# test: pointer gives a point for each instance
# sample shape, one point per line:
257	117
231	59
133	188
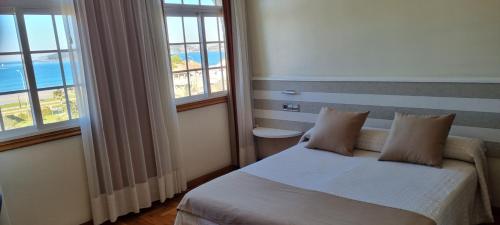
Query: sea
48	73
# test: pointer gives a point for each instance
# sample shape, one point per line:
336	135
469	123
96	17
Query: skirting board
210	176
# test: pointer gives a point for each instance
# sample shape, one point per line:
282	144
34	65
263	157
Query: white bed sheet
443	194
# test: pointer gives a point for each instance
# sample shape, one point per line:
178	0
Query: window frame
38	127
200	12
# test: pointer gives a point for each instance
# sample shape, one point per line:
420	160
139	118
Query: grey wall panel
475	118
464	118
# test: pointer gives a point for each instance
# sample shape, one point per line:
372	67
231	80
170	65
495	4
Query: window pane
40	32
68	70
213	53
174	28
173	1
61	33
194	56
221	28
12	73
72	103
53	106
191	2
178	57
15	110
223	54
47	70
211	30
216	83
8	35
191	29
207	2
196	82
224	78
181	87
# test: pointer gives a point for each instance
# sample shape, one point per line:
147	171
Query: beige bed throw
241	198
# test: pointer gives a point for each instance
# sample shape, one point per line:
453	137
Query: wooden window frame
39	138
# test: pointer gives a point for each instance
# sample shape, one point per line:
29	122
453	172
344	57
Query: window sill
201	103
39	138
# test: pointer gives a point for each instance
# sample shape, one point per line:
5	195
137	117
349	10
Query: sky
174	25
8	34
40	31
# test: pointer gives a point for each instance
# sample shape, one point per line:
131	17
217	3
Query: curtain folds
128	117
242	83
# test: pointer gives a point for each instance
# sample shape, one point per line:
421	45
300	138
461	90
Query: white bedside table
270	141
265	132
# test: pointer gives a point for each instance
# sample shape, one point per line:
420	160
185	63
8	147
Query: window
195	33
36	81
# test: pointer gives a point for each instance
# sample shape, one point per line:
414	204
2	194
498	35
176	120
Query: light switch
291	107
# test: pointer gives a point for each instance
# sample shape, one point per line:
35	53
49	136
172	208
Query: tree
58	94
176	60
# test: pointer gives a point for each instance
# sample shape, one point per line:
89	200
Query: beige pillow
417	139
336	131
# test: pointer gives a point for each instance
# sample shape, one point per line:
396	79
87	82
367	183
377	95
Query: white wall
46	184
205	140
434	38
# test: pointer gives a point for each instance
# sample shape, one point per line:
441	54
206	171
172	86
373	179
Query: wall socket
291	107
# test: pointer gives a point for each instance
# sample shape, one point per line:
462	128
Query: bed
304	186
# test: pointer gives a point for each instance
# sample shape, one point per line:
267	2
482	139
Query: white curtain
128	116
242	78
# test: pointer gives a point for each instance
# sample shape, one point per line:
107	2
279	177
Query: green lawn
18	114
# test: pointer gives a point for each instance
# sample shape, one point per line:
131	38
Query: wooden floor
164	214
